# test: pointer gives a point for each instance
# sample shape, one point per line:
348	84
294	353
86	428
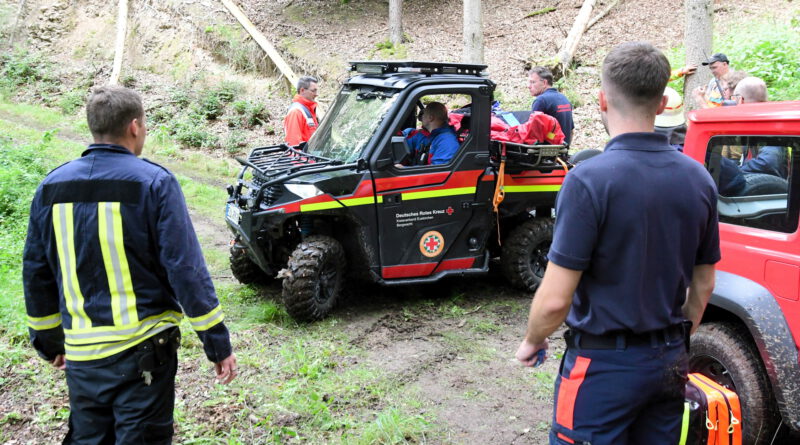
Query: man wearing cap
713	94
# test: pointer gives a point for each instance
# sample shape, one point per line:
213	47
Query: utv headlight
304	191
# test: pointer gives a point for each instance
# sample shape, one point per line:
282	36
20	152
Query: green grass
25	158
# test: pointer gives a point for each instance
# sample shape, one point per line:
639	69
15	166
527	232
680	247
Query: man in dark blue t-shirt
549	100
631	269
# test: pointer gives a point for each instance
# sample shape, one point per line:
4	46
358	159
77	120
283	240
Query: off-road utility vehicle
344	202
749	336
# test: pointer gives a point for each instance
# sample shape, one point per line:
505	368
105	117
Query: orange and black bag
712	414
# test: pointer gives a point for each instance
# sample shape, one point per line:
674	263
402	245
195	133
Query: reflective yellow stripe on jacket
105	341
65	244
43	323
208	321
123	300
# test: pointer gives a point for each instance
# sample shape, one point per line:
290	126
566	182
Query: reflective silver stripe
208	321
125	317
42	323
69	272
112	333
94	352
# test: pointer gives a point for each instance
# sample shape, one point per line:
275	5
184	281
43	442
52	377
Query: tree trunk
570	45
396	22
119	51
13	31
697	39
473	32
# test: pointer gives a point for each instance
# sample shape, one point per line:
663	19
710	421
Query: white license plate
232	212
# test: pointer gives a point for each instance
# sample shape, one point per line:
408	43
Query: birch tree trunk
570	44
122	32
698	40
396	22
473	32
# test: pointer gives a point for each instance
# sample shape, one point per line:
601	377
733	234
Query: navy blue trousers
110	403
620	396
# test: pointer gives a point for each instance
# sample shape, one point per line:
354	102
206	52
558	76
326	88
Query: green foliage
247	114
387	50
71	101
189	130
235	142
230	43
22	167
768	48
21	68
771	52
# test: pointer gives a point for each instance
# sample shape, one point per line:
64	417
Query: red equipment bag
540	128
712	414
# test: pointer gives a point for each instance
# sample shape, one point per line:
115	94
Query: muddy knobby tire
314	278
244	269
524	253
724	352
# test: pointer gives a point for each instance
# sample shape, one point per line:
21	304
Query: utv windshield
350	123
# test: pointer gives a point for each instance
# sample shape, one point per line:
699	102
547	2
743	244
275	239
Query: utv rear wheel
723	352
524	254
244	269
314	278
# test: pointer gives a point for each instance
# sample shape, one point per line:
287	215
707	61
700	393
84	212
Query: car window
753	176
443	145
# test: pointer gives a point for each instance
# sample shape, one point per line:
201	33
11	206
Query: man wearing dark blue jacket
549	100
111	265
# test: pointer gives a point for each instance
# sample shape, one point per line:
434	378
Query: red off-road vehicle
749	337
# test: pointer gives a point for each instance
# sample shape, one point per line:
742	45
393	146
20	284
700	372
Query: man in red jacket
301	120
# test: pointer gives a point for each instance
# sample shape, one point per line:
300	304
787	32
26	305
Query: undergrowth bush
768	48
22	167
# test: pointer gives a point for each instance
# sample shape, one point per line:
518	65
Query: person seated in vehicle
770	160
436	142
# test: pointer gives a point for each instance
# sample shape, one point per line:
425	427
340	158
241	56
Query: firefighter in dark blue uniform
111	266
550	101
635	228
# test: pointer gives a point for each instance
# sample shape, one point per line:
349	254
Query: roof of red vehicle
764	111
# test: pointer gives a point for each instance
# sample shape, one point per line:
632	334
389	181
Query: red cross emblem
450	211
431	244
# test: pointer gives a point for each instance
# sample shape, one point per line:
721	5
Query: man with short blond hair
631	269
111	265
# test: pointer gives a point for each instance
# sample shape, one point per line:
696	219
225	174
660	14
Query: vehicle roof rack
403	66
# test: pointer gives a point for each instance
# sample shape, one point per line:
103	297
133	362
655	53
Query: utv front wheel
244	269
723	352
524	254
314	278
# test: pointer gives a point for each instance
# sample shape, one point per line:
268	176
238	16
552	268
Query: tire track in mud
467	378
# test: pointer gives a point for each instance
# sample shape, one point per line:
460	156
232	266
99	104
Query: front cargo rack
269	162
